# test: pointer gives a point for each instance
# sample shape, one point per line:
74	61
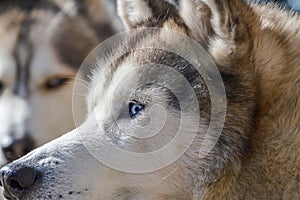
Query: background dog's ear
134	12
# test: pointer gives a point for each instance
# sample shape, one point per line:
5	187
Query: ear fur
221	23
137	13
213	23
134	12
218	16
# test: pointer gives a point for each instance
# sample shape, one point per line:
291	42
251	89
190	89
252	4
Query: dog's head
154	99
42	46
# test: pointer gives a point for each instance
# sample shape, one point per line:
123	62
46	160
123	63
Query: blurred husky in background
42	45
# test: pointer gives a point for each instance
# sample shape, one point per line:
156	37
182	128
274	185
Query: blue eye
135	108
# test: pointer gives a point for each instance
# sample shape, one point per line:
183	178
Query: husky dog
256	156
43	43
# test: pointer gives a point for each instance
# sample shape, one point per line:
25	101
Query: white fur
190	13
133	11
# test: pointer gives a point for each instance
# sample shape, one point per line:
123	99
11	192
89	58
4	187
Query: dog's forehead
108	84
143	72
142	57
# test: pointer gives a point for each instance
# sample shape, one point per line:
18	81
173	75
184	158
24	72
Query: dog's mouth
7	195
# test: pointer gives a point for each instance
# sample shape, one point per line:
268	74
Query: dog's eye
134	108
56	82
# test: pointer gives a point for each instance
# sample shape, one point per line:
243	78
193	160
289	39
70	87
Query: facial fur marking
23	54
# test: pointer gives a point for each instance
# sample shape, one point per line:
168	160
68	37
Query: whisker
80	79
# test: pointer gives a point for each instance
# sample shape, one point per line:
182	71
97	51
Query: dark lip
7	194
19	195
9	198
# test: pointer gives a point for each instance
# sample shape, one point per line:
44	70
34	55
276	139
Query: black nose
17	180
15	148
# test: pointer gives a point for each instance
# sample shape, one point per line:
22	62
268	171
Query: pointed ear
221	23
134	12
218	15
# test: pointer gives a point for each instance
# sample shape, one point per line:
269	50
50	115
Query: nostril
22	178
15	185
16	180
